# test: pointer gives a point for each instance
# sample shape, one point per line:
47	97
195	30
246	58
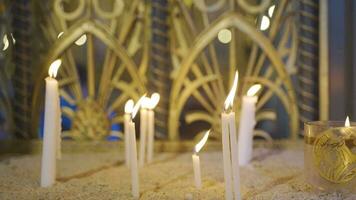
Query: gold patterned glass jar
330	155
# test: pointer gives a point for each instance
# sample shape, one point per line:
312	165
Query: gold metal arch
230	20
68	38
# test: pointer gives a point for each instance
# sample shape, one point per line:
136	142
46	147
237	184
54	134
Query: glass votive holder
330	155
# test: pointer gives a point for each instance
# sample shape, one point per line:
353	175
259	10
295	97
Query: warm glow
6	42
53	68
153	101
230	97
59	34
81	40
129	106
137	106
347	122
271	10
202	142
253	90
264	23
224	36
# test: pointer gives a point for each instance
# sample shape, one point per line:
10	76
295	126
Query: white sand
274	174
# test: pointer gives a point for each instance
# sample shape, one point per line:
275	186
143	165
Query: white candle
151	125
127	118
196	160
196	168
50	138
226	156
247	124
234	156
59	128
143	131
151	129
133	165
230	149
133	152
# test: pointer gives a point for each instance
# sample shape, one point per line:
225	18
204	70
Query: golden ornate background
106	49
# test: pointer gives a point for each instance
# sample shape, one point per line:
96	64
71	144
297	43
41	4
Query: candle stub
196	160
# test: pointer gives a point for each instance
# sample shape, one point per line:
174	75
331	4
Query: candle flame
137	106
60	34
155	97
265	22
271	10
253	90
347	122
53	68
6	42
129	106
202	142
81	40
145	102
13	39
230	97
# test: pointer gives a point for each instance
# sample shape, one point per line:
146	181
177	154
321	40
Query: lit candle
133	152
127	118
229	143
143	130
247	124
50	137
196	160
151	125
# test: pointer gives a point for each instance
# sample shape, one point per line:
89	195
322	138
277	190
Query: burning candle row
146	128
234	154
146	135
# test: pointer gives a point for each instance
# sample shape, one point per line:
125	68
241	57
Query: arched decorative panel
95	89
201	76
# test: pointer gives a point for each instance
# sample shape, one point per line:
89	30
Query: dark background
342	59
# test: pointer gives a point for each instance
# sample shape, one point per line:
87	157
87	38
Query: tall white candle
135	188
127	118
50	138
133	152
234	156
59	128
196	160
230	149
247	124
151	129
143	131
226	156
151	125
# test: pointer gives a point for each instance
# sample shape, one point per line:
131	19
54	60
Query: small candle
51	128
196	160
151	125
133	152
247	124
143	130
127	118
229	143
